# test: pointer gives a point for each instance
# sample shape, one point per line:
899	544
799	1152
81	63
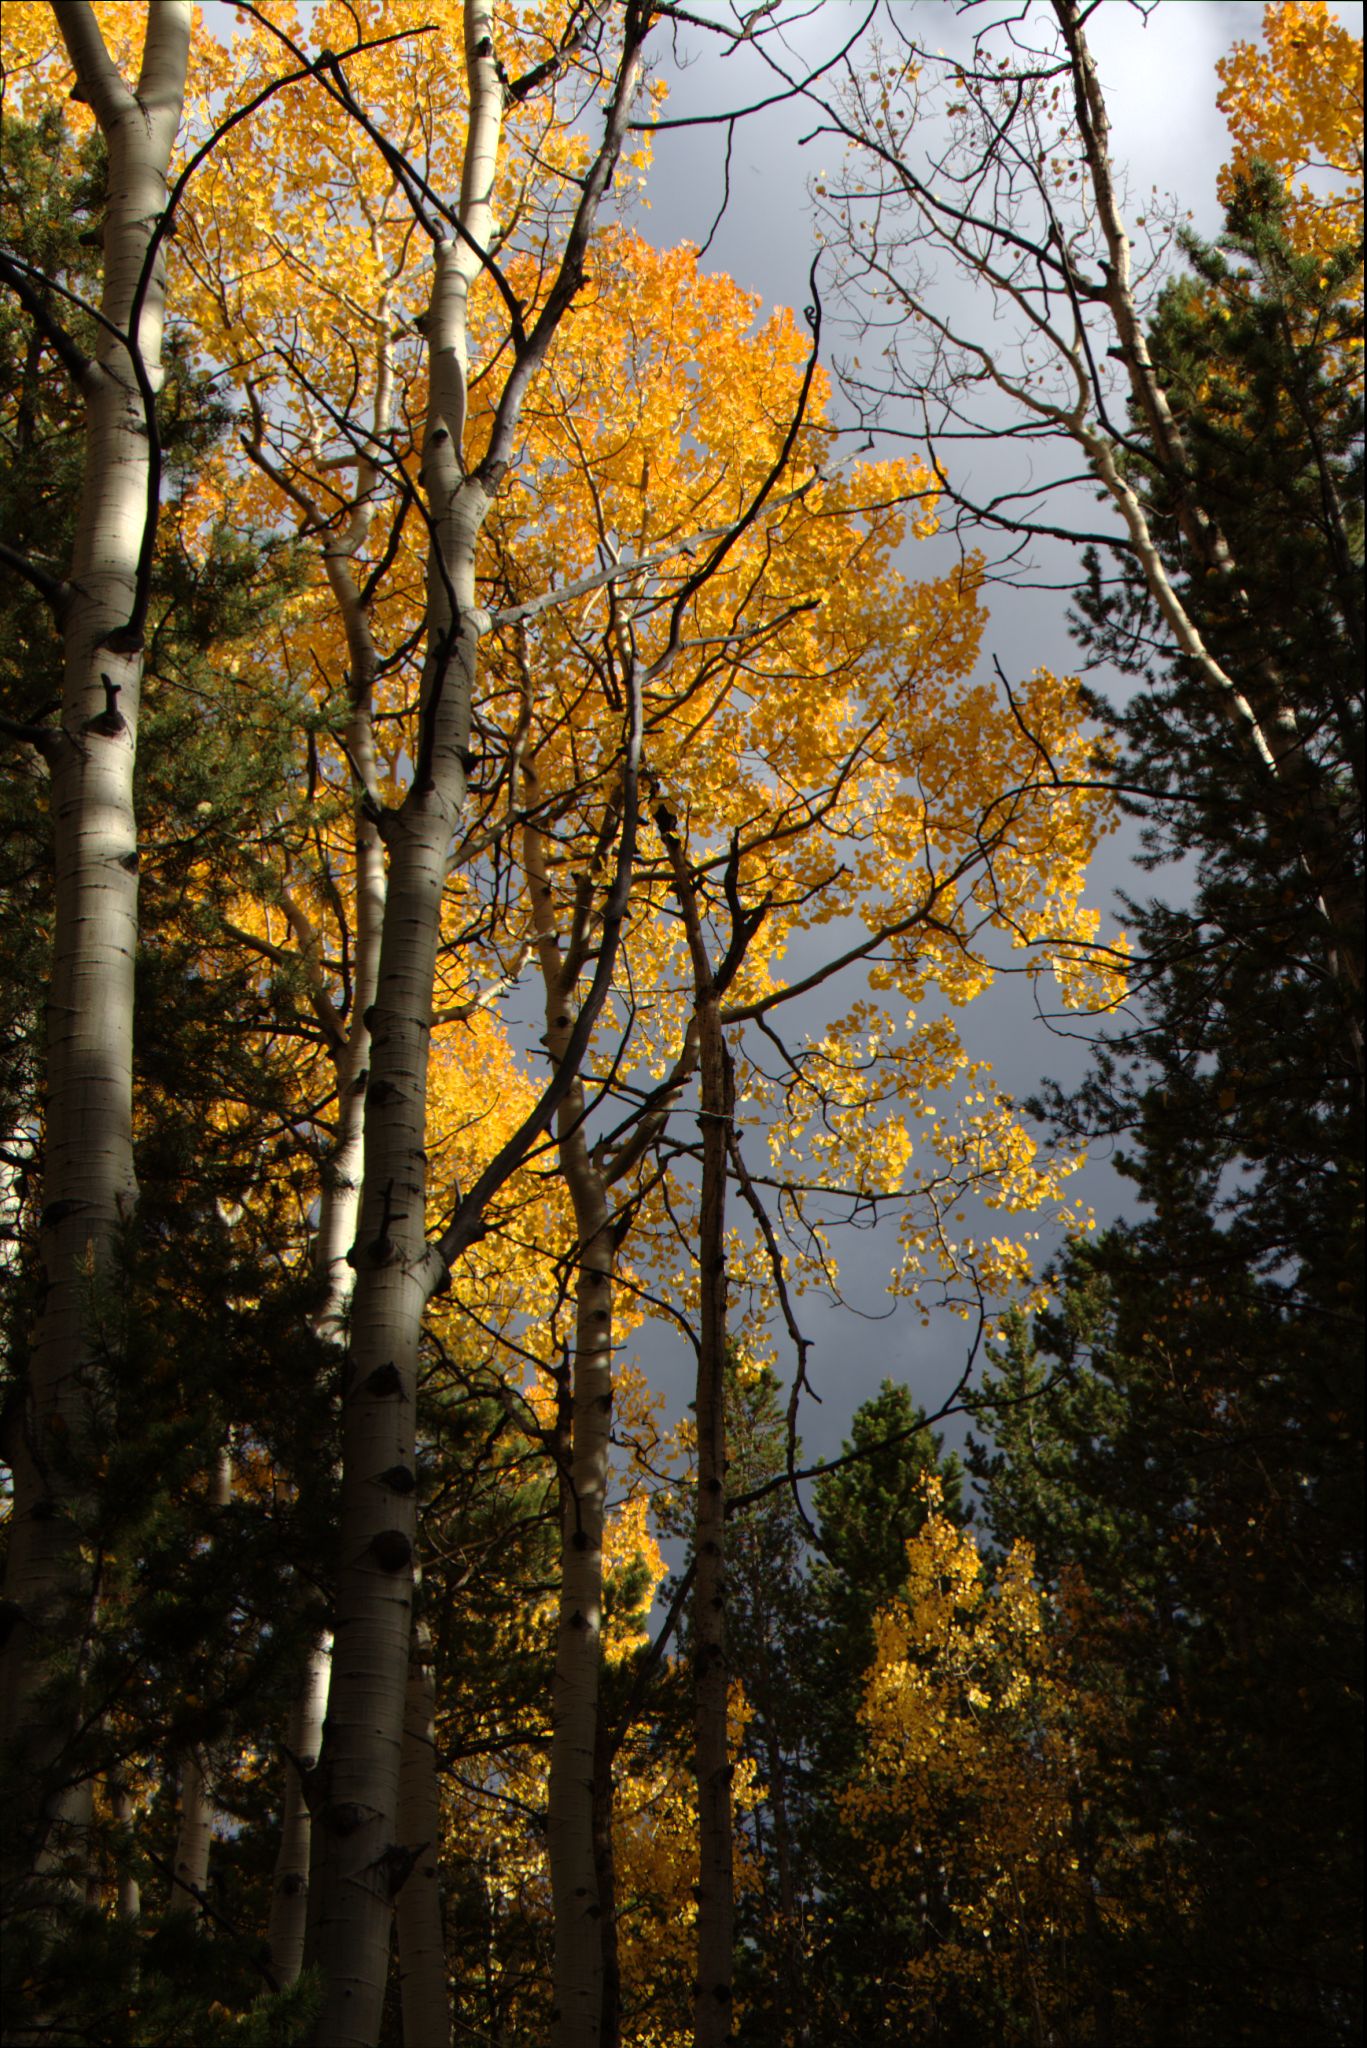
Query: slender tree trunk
89	1185
1259	705
574	1799
129	1896
290	1888
605	1867
790	1929
340	1192
578	1908
359	1860
423	1982
713	2008
195	1837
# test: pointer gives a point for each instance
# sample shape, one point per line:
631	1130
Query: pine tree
867	1510
1184	1430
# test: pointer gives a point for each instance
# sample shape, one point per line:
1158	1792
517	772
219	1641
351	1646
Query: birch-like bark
359	1857
290	1886
128	1898
89	1185
194	1838
358	1861
424	1988
340	1191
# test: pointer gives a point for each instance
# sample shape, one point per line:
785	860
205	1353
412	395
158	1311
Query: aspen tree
89	1188
357	1856
1055	258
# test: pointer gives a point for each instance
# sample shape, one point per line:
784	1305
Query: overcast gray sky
1158	69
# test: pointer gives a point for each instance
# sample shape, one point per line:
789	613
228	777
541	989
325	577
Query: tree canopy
507	806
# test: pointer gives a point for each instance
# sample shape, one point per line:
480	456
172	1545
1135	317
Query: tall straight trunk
194	1837
790	1927
358	1859
290	1885
358	1863
423	1985
574	1819
340	1192
713	2006
194	1840
89	1186
128	1898
570	1815
605	1867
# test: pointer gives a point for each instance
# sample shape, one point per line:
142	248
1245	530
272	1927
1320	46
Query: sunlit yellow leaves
1297	104
37	70
969	1790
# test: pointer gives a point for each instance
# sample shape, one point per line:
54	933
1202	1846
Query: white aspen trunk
358	1858
194	1839
340	1192
423	1983
357	1861
572	1847
129	1896
290	1886
339	1206
89	1184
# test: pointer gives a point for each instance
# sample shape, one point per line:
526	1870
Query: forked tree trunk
89	1185
358	1859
